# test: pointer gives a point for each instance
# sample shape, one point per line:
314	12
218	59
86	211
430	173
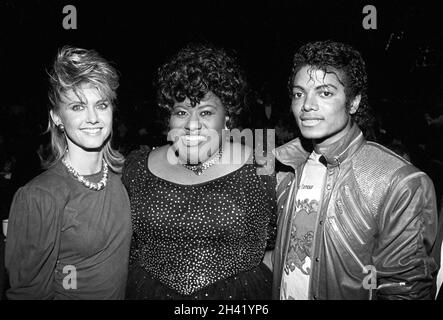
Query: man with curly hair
375	222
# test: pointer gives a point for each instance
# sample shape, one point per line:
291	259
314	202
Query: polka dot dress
189	237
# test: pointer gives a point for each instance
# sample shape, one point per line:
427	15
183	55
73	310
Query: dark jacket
437	252
377	220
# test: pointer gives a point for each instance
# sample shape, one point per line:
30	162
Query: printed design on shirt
285	295
302	237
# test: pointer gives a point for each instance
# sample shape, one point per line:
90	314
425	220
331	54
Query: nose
193	122
92	115
310	104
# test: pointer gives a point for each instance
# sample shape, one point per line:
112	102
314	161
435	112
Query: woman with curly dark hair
201	213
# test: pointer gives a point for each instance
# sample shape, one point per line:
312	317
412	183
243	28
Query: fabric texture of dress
57	227
201	241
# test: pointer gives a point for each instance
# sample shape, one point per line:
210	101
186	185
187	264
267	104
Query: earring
61	127
228	124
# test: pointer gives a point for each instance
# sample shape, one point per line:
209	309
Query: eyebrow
323	86
180	105
82	102
183	105
75	102
298	87
208	105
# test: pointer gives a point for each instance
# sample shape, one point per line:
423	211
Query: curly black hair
197	69
330	56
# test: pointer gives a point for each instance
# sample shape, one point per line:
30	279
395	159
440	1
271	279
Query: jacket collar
296	152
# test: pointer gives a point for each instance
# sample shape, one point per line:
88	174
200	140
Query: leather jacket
377	222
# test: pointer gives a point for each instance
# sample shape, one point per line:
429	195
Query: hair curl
72	68
330	57
198	69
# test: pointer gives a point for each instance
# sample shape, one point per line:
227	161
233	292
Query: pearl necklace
91	185
199	168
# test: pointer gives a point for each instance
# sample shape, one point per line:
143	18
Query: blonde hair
72	68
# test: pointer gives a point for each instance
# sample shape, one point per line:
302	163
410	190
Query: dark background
404	59
139	36
403	55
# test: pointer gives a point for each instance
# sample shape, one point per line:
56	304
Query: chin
312	134
93	146
202	150
188	157
186	154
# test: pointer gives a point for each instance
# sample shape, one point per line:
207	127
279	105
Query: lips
310	121
193	140
91	131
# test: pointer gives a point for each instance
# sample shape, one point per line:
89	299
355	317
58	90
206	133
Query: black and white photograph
239	152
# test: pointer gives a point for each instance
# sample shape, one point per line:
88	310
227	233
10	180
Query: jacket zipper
283	192
348	247
349	222
354	207
288	206
334	226
314	247
392	284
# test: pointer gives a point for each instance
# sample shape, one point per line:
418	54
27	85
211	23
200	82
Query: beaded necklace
199	168
91	185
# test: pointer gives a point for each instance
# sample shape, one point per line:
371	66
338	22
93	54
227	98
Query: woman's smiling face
197	131
87	118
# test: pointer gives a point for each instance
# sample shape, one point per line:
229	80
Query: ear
355	103
55	118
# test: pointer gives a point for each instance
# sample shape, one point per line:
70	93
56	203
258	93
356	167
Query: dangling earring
61	127
227	123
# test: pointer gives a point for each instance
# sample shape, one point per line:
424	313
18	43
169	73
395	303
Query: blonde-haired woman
70	228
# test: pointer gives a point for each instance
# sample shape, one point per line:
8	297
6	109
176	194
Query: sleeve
439	277
130	172
437	254
129	167
32	245
408	227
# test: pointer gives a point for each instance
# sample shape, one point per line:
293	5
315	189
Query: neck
193	159
217	154
85	162
324	146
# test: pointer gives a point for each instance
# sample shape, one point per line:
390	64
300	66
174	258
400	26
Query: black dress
201	241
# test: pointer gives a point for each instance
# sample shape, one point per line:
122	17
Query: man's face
319	106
